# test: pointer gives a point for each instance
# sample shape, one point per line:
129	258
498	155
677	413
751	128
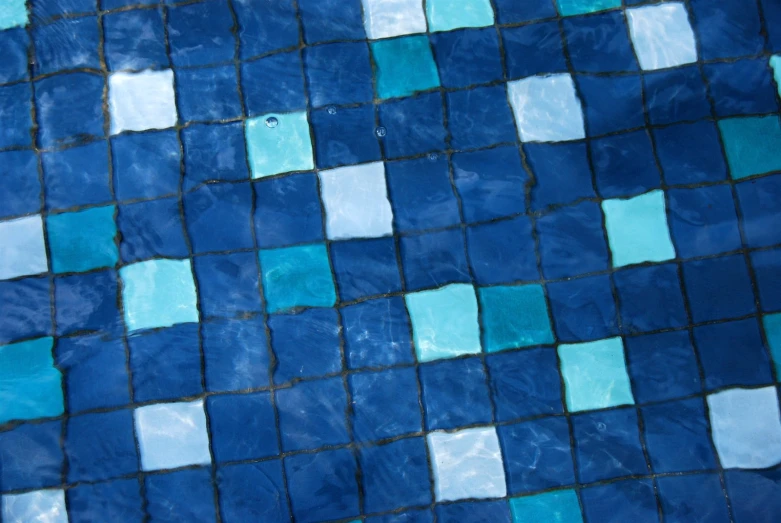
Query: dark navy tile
185	495
767	272
118	500
68	43
227	284
772	14
662	366
87	302
491	183
583	309
146	165
201	164
611	104
20	192
725	366
474	512
690	153
572	241
41	9
253	492
408	516
273	84
26	309
305	344
533	49
151	228
16	108
94	372
742	87
17	445
414	125
561	173
624	165
323	486
228	203
166	364
395	475
703	221
263	30
236	354
676	436
455	394
376	333
135	39
208	94
631	500
467	57
727	30
524	383
100	446
69	108
13	45
760	205
115	4
537	455
365	267
718	288
189	26
650	298
73	177
599	43
434	259
339	73
326	20
480	117
385	404
693	499
675	95
502	252
345	138
512	11
754	495
311	414
287	211
242	426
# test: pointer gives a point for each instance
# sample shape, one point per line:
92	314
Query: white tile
662	35
141	101
467	464
172	435
547	109
356	201
22	250
40	506
386	18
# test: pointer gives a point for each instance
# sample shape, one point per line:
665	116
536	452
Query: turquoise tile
595	374
775	64
446	15
772	323
279	143
580	7
84	240
637	229
13	13
297	277
444	322
752	144
30	385
514	316
560	506
158	293
404	66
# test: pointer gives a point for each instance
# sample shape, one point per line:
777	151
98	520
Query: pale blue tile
41	506
172	435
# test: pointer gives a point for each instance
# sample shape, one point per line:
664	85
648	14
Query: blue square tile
479	117
742	87
306	344
421	194
308	414
607	445
434	259
115	4
760	205
395	475
189	26
723	365
537	455
27	311
533	49
208	94
16	107
146	165
676	436
166	364
42	9
339	73
376	333
408	516
561	173
150	229
502	252
583	309
474	512
491	183
630	500
718	288
525	383
662	366
767	272
100	446
118	500
202	165
698	497
326	20
384	404
624	165
135	40
754	495
345	138
287	210
771	12
727	30
675	95
703	221
14	43
20	192
365	268
219	203
69	108
253	492
228	284
68	43
572	241
185	495
268	29
611	103
236	354
17	445
323	486
511	11
650	298
599	43
690	153
242	426
75	176
285	93
467	57
87	302
455	394
407	139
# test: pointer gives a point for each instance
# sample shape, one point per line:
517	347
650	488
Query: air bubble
271	122
433	157
331	109
380	131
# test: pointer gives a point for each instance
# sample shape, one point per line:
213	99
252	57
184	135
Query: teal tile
444	322
404	66
13	13
772	323
158	293
82	241
580	7
297	277
30	384
279	143
560	506
752	144
775	64
446	15
637	229
515	316
595	375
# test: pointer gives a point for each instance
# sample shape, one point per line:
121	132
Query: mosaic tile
758	202
14	14
599	43
662	36
23	249
134	39
403	65
686	496
514	317
287	94
29	382
115	500
21	190
297	277
41	440
395	475
558	506
187	494
547	108
376	333
172	435
772	325
455	394
253	491
385	18
535	48
141	101
45	505
385	404
676	95
621	501
312	479
277	148
524	383
83	240
751	145
60	98
466	58
446	15
66	44
77	176
100	446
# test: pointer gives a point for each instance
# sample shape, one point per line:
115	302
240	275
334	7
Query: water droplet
601	427
380	131
271	122
331	109
433	157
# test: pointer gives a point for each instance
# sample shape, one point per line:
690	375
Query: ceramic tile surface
385	261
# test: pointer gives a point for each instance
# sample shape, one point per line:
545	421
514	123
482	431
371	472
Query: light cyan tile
637	229
172	435
746	428
775	64
30	384
467	464
83	240
752	144
40	506
444	322
141	101
662	35
356	202
386	18
404	66
22	249
547	108
581	7
560	506
158	293
514	316
446	15
297	277
772	324
279	143
595	374
13	13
